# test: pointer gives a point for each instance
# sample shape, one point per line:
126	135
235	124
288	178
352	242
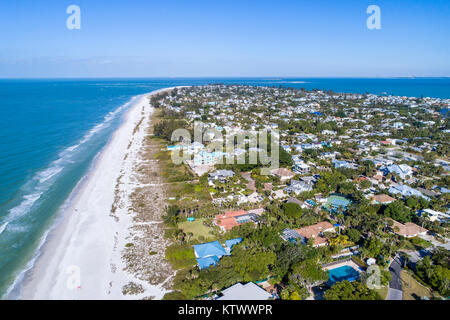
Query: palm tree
340	218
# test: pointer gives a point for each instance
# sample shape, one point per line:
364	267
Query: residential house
221	175
316	232
408	230
231	219
402	170
298	187
428	193
283	173
279	194
344	164
208	254
433	215
406	191
249	291
382	199
301	168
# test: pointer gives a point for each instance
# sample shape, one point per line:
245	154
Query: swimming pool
343	273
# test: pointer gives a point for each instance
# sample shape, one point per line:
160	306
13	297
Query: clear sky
228	38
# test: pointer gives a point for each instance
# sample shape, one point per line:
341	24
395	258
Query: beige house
283	173
316	232
382	199
408	230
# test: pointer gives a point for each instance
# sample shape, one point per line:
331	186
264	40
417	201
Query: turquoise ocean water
51	131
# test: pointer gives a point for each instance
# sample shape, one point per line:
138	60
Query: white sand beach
82	257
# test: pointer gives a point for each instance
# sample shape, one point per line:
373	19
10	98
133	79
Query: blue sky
226	38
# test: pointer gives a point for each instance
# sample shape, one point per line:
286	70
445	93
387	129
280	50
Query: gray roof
249	291
222	173
290	234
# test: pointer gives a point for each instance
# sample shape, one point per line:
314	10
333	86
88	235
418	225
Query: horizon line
229	77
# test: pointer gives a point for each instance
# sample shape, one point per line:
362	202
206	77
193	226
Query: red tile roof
408	229
228	220
314	230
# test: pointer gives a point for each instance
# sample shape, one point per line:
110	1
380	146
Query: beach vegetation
132	288
180	256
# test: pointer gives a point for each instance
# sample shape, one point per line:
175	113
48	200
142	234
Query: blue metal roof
209	249
204	263
232	242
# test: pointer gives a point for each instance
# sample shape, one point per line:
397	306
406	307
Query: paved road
394	294
395	285
415	256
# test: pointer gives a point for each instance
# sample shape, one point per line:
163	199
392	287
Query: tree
398	211
329	181
291	210
353	234
251	264
412	203
346	290
285	158
308	274
288	256
171	215
435	274
294	292
373	247
365	184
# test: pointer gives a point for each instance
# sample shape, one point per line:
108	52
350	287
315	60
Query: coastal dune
82	257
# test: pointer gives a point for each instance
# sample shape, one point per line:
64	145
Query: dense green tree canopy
398	211
346	290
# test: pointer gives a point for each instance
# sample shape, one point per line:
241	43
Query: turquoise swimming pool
343	273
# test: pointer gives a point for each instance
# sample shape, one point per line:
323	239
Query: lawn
413	290
420	243
197	228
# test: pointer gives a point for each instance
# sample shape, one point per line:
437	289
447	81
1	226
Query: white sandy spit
82	258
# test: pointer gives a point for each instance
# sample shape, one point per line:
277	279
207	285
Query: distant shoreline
410	86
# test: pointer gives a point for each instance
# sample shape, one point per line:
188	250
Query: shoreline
81	257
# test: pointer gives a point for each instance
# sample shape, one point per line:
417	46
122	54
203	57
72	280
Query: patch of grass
420	243
199	188
407	245
359	262
173	172
182	190
196	227
189	190
383	292
129	244
413	290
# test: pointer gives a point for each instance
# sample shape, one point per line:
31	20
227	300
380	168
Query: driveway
415	256
395	285
436	243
